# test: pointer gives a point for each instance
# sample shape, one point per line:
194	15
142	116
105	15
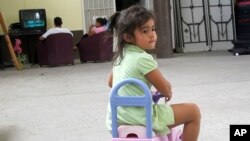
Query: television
33	20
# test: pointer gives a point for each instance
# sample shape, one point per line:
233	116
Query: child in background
136	32
100	26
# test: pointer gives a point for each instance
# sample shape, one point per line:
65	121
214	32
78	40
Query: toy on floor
137	132
22	58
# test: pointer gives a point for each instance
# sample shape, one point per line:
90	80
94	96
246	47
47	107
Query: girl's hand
160	83
157	96
168	98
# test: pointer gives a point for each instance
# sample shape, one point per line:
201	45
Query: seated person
58	29
100	26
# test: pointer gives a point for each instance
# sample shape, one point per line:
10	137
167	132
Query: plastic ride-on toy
136	132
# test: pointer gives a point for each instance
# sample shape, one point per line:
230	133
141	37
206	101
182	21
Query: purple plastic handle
156	96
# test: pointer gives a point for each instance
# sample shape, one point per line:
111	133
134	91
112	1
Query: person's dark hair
127	21
112	22
58	21
102	21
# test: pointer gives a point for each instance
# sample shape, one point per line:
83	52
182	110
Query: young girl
135	30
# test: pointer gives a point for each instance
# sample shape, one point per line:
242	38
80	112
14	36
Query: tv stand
18	32
30	40
32	32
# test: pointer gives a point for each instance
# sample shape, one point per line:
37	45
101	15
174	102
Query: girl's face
145	37
97	24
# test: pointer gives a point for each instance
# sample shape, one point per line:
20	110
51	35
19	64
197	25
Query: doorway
123	4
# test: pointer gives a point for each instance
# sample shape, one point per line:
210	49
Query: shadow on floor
7	134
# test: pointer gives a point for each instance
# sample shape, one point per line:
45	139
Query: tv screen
33	19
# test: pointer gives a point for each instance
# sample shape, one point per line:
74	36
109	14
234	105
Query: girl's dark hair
127	21
102	21
112	22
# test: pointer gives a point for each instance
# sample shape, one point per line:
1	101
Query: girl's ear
127	38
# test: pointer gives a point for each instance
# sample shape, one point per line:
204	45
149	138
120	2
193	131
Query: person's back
57	29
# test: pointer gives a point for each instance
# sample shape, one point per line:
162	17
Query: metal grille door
221	20
193	21
203	24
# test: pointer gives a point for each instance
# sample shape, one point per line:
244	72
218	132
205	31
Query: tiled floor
69	103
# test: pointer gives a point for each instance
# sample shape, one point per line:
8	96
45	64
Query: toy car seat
133	132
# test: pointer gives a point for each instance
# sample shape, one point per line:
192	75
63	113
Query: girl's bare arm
160	83
110	78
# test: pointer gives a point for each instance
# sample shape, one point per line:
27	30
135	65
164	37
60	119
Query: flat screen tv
33	19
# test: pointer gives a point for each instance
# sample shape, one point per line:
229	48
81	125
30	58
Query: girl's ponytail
113	22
